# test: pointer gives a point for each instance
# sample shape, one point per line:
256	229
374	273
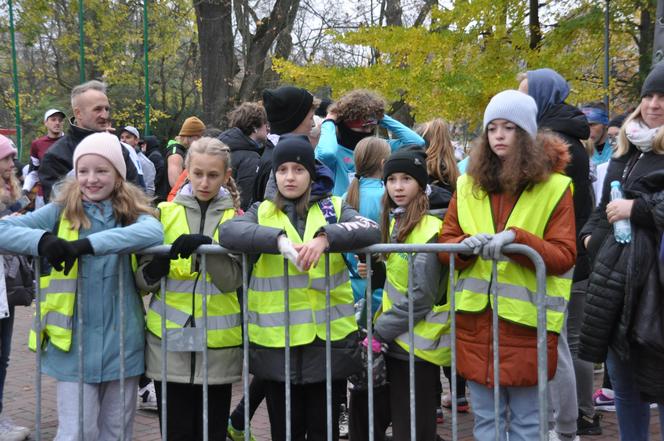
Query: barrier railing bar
203	276
38	342
411	352
164	363
245	345
287	360
370	385
79	332
328	350
451	293
121	311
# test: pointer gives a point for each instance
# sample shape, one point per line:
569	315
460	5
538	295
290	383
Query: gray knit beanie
513	106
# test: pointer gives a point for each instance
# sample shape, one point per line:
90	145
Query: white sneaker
11	432
553	436
147	398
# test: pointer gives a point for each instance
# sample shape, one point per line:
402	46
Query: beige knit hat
105	145
192	126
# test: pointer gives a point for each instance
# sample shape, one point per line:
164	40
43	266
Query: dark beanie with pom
409	160
286	108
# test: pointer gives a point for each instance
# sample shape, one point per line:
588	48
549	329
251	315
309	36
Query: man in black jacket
246	136
91	114
549	90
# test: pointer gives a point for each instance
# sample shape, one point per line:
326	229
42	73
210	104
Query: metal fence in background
409	249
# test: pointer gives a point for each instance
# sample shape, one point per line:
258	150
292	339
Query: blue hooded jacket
548	88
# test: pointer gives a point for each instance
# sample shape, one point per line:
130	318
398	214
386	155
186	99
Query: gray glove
492	250
476	242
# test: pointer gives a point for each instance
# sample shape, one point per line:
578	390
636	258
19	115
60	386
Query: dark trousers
460	382
426	399
308	410
358	424
185	410
256	395
6	331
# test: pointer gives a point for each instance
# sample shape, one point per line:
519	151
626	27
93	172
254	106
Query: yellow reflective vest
184	290
432	333
306	307
57	299
517	284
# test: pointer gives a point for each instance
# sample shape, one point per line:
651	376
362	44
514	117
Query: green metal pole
19	134
81	41
146	67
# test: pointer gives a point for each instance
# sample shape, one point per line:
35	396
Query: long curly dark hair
532	162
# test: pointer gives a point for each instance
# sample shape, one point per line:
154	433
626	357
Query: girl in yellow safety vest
190	220
513	192
86	235
301	220
404	220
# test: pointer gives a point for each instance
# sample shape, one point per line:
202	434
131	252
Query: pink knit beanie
105	145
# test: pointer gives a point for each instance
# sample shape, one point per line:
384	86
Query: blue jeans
523	409
633	414
6	329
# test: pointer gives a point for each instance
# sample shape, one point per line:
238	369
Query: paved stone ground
20	399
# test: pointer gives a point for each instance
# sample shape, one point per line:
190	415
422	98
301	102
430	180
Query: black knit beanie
286	108
409	160
294	148
654	82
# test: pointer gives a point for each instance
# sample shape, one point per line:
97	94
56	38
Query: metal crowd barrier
203	251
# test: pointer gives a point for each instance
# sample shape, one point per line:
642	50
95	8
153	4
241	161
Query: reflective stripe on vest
431	334
267	316
517	284
185	290
57	301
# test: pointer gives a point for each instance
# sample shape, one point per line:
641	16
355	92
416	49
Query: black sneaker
586	425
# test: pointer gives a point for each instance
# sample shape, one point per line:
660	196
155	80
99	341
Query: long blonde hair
441	163
128	202
214	146
369	156
622	146
14	193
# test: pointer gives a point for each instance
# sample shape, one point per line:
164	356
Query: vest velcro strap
58	286
266	284
182	286
54	318
336	280
172	315
426	344
301	317
336	312
507	291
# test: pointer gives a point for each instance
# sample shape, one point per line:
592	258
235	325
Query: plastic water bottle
622	230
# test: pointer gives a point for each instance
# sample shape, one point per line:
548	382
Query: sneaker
555	436
11	432
462	403
439	415
604	399
343	422
586	425
236	435
147	398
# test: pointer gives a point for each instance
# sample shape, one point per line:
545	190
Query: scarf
639	134
349	138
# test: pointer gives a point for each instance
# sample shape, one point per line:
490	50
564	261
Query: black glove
186	244
81	246
158	267
57	251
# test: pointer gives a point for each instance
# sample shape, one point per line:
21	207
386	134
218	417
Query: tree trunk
393	13
218	62
534	25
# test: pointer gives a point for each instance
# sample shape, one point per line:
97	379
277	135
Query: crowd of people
299	184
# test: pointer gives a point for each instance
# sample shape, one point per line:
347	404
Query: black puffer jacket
571	125
58	159
624	309
245	159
